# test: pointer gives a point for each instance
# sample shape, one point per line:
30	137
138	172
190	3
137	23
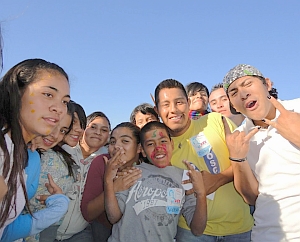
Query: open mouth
251	104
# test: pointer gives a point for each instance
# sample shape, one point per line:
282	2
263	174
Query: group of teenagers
198	165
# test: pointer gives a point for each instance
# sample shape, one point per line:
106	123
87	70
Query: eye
104	130
149	144
125	141
112	142
47	94
65	102
64	131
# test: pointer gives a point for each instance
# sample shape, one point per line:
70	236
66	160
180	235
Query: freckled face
142	119
96	133
44	104
75	134
122	138
57	135
158	147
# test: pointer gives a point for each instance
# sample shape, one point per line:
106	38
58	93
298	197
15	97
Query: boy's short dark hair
150	126
144	108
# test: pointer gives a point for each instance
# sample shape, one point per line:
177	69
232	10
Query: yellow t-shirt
204	145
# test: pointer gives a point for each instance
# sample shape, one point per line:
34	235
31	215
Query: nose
55	133
244	95
173	107
220	105
59	107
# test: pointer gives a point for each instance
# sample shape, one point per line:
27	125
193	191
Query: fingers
226	126
189	192
277	104
42	198
50	179
251	133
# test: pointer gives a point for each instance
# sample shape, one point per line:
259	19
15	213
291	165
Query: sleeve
122	199
19	228
188	208
32	171
94	185
56	207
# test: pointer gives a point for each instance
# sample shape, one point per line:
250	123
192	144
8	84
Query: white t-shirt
275	163
20	201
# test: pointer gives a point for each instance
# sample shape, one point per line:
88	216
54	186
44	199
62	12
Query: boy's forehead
157	132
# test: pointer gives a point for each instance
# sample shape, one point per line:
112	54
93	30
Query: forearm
225	177
199	220
95	207
112	208
245	182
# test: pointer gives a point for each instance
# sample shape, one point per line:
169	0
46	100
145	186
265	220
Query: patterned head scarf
240	71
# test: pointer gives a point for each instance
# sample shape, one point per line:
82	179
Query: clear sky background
117	51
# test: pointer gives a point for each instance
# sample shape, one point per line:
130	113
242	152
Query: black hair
81	114
168	83
273	92
194	87
144	108
150	126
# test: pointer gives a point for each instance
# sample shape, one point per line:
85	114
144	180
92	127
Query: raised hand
127	179
238	141
113	164
195	179
287	123
52	188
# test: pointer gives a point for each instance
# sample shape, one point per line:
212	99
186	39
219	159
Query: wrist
238	159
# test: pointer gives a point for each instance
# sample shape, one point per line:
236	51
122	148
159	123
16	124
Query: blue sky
117	51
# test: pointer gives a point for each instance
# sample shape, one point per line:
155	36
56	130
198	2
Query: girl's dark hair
95	115
81	114
12	87
67	158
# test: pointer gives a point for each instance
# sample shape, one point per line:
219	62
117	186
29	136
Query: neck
175	133
86	150
237	119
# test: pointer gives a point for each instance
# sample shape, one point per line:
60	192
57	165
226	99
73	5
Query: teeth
159	156
176	118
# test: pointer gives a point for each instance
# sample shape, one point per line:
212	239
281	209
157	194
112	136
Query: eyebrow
55	89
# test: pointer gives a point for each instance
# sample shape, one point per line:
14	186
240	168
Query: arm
238	145
199	218
213	181
3	188
112	208
245	182
92	204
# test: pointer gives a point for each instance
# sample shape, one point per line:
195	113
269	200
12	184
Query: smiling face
248	95
44	104
173	108
158	147
219	102
123	138
198	101
96	134
75	134
57	135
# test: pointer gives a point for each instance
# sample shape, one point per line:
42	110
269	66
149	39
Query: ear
139	149
156	110
269	83
189	101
